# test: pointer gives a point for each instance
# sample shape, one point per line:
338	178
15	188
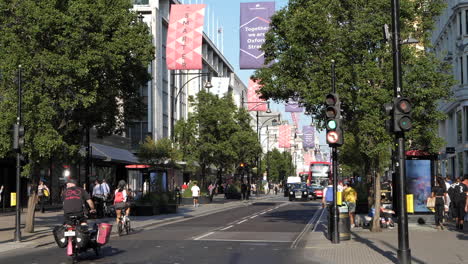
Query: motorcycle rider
74	198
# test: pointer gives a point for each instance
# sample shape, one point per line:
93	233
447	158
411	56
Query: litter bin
344	223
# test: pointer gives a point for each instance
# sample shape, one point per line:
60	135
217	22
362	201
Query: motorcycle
78	238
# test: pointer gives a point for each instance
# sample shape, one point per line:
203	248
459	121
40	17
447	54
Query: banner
307	160
293	106
308	134
254	103
284	140
254	23
295	118
220	86
184	37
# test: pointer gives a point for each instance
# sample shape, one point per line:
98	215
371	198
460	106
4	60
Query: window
465	110
459	127
466	22
459	23
462	79
460	164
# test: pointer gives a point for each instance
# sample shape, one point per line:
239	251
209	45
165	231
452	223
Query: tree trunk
32	201
375	226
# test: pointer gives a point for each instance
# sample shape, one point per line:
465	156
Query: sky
225	14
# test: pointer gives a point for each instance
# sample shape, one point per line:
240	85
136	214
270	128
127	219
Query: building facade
450	42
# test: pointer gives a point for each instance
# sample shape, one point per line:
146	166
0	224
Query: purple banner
254	23
293	106
308	136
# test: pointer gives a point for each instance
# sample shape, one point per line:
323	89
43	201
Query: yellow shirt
350	195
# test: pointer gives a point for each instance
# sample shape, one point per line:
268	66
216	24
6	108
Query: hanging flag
184	37
293	106
254	23
307	159
308	134
284	140
220	86
254	103
295	117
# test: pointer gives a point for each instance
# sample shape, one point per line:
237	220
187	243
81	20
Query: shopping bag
430	202
46	192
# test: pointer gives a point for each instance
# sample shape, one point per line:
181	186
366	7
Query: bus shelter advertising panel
418	183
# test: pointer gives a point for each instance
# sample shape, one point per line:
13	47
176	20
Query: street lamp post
207	85
17	234
404	252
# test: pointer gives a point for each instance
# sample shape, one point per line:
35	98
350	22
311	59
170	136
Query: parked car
298	191
315	192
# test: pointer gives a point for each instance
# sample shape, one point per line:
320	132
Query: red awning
137	166
417	153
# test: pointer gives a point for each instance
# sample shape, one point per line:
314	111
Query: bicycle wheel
120	228
127	226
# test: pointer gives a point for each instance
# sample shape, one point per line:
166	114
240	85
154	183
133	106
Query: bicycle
124	223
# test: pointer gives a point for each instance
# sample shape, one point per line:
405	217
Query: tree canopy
83	63
306	36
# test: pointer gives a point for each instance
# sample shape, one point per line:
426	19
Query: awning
112	154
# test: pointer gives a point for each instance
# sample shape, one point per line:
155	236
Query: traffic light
333	122
18	137
402	114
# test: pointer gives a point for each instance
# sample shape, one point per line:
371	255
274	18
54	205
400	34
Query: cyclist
120	200
74	199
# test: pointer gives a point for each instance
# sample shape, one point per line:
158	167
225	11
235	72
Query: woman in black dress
440	193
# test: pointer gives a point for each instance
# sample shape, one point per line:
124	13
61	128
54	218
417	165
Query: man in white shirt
195	194
105	189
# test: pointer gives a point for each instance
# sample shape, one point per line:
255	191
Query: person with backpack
459	193
464	201
120	200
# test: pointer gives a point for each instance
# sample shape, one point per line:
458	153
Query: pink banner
284	140
254	103
184	38
307	159
295	118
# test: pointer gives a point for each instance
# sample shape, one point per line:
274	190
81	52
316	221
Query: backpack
329	194
119	198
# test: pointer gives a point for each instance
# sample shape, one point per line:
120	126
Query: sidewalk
44	223
427	245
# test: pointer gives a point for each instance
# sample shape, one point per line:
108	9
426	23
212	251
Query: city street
266	231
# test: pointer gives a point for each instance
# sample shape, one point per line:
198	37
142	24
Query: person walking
105	189
211	190
98	198
244	190
43	194
350	197
463	200
440	193
195	194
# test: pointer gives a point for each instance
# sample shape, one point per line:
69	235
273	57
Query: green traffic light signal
331	124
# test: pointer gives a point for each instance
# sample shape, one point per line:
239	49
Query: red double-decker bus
319	172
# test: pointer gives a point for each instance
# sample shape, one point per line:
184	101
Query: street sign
450	150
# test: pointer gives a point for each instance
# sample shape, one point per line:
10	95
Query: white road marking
255	241
242	221
205	235
253	216
227	227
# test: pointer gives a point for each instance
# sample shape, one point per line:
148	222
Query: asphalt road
265	232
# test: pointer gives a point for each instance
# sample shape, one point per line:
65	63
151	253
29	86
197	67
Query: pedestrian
276	189
195	194
184	187
98	198
350	197
43	194
211	189
267	190
244	190
463	202
105	189
440	193
1	193
327	197
453	212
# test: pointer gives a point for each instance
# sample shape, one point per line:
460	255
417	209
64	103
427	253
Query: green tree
160	153
216	134
307	35
280	165
82	65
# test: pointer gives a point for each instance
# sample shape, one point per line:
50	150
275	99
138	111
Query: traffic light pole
404	252
17	235
336	232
